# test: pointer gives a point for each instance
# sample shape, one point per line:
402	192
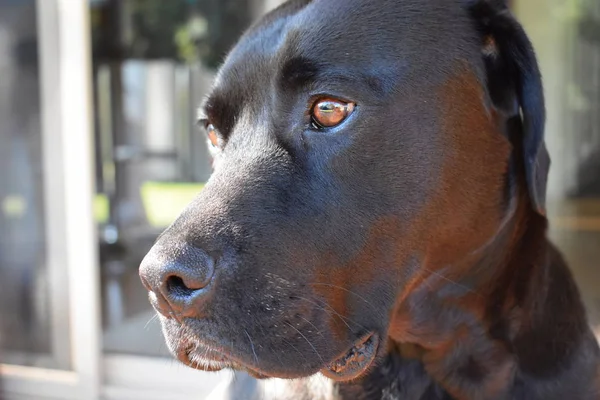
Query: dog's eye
213	137
327	113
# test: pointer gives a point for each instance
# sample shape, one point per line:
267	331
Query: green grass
163	202
100	208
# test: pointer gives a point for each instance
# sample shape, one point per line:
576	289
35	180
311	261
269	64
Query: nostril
181	281
180	276
176	286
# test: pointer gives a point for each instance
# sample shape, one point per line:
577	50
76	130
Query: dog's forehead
352	34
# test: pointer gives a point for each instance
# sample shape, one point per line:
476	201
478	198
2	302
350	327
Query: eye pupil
328	113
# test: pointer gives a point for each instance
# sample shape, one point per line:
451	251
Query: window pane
25	307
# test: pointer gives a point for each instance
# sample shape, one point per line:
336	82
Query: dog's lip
348	366
355	361
212	361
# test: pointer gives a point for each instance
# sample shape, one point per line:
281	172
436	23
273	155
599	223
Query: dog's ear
515	87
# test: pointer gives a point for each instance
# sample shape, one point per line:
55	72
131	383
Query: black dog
376	213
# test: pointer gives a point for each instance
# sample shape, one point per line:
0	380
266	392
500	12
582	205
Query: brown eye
211	132
327	113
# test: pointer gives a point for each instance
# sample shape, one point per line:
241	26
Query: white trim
53	180
81	242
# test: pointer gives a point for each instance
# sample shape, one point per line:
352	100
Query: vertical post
76	133
52	152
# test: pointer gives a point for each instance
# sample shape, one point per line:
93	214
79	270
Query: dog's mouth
210	361
355	361
213	361
349	366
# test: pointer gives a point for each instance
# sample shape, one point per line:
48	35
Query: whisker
332	311
307	341
152	319
377	310
271	345
294	347
252	346
442	276
311	324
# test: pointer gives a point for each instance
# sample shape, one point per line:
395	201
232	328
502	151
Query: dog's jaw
355	362
351	365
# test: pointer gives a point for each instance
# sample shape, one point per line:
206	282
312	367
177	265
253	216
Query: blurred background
99	153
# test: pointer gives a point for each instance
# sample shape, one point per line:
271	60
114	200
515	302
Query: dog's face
358	145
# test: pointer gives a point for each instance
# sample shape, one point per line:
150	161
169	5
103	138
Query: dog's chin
351	365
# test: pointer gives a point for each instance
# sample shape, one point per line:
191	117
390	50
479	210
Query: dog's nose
179	278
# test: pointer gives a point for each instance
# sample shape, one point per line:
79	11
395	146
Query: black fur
513	74
419	220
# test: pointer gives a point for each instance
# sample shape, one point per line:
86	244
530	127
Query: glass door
27	321
48	324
